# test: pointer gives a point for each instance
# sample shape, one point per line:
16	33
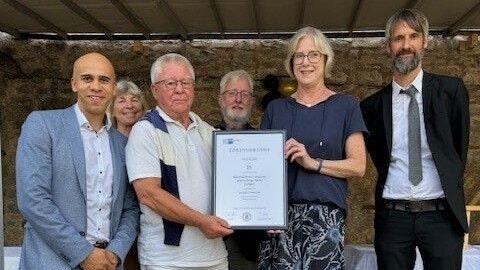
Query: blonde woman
325	147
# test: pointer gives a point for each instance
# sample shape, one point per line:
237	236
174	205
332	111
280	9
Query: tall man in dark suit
419	128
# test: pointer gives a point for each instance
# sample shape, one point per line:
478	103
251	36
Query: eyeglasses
312	56
172	84
232	93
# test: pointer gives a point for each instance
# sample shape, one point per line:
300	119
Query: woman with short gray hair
127	107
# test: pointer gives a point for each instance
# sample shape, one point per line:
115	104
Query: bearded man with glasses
236	101
168	157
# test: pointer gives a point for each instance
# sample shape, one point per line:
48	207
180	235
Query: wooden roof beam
301	15
163	6
454	27
82	13
134	20
353	20
218	19
256	18
35	16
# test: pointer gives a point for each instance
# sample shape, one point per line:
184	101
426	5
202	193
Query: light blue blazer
51	193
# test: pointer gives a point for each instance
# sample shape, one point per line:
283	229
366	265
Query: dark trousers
435	233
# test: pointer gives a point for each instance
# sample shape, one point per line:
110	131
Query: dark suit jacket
447	120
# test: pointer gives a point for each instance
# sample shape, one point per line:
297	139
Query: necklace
325	94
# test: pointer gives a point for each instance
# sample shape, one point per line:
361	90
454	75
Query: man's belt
415	206
101	244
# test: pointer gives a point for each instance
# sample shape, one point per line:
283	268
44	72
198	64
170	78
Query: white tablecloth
362	257
357	257
12	257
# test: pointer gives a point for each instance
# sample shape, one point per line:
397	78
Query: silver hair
412	17
125	87
234	76
320	41
158	65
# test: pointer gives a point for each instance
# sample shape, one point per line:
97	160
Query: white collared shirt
397	185
99	178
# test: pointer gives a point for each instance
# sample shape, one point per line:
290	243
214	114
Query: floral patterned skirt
313	241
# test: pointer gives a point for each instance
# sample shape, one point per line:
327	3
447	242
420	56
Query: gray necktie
414	146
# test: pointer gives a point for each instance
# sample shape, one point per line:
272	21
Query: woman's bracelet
320	162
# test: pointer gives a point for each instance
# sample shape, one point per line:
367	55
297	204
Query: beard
405	64
234	117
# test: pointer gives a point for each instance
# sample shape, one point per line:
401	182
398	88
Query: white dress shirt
99	178
397	185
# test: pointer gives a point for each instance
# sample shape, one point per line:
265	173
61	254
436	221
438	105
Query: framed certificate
249	179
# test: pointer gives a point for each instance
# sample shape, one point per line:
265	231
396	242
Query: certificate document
249	179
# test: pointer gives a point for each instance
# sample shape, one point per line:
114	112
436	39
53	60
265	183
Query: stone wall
35	75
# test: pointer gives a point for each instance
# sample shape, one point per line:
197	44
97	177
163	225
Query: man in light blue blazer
72	185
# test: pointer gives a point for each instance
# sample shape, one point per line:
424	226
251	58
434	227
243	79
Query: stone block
472	76
36	75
